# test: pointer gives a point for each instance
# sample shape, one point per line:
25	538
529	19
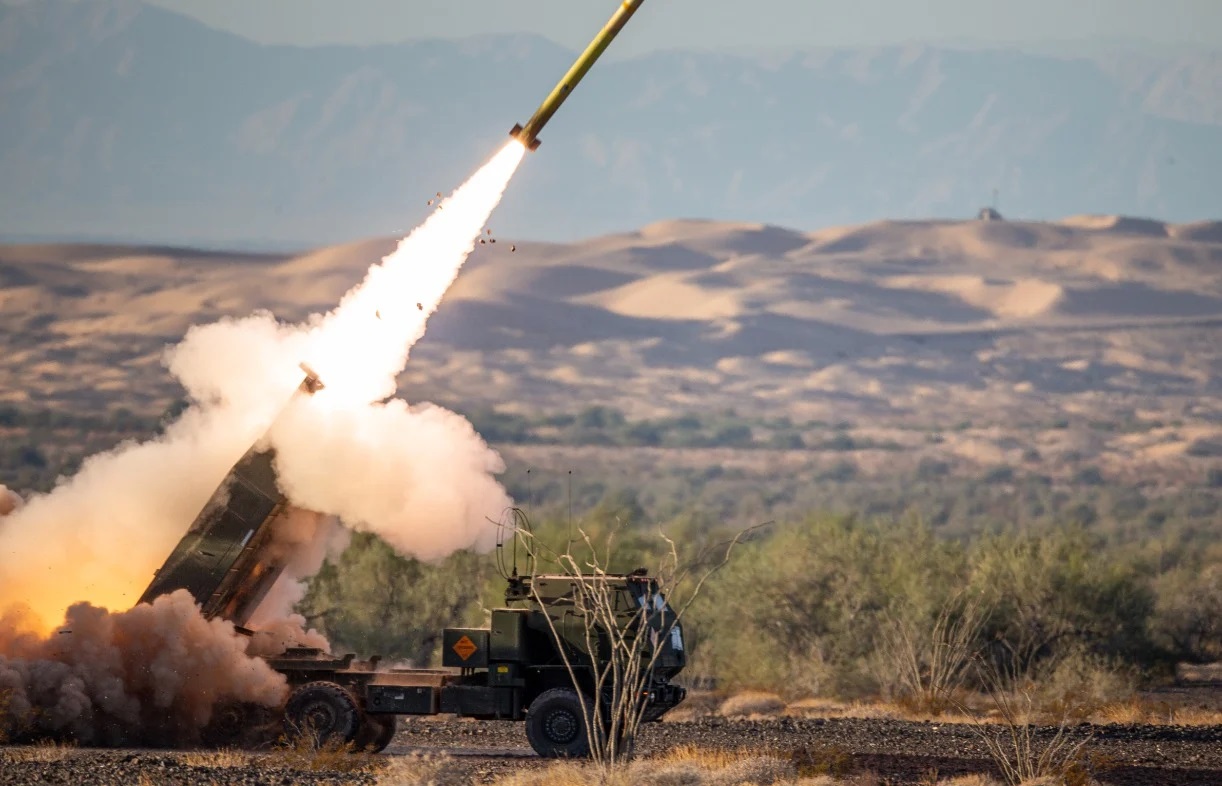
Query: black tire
321	712
556	726
376	733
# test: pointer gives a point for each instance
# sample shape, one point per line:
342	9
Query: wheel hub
320	717
562	726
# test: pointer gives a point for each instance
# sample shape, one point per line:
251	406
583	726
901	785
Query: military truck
513	670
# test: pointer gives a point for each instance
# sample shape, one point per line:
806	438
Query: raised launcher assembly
223	560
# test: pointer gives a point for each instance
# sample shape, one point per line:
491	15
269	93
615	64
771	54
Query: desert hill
1008	334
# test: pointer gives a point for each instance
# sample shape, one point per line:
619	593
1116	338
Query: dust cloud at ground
149	675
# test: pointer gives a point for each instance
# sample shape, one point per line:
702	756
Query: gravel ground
898	752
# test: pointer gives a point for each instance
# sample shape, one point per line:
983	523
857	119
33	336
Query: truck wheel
321	712
376	733
556	726
239	724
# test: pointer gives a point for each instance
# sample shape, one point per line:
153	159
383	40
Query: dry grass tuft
222	758
751	703
698	704
413	770
684	766
307	754
1162	713
43	752
975	779
563	773
1195	716
821	760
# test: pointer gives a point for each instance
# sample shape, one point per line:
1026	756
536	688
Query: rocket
528	135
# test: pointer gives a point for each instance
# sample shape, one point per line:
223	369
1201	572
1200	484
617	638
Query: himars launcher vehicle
511	670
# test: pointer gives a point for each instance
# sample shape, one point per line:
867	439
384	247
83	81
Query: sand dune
1095	318
1020	299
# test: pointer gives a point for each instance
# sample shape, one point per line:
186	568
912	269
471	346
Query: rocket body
528	134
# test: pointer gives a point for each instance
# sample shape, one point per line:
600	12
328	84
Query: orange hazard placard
464	647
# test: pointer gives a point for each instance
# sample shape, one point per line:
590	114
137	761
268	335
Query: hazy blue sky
723	23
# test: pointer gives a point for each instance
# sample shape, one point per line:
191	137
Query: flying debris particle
378	313
492	240
482	241
513	247
420	307
430	202
489	231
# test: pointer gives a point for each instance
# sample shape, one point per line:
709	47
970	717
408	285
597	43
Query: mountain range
125	121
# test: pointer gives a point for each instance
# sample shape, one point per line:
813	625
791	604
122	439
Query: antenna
569	547
515	524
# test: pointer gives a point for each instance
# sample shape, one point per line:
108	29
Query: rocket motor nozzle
312	383
519	133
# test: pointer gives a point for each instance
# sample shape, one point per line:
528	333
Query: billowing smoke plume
419	476
303	539
149	675
9	500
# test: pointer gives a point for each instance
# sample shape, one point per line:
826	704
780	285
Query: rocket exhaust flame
360	347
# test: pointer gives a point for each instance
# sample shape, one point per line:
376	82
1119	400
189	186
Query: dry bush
1023	752
928	667
44	752
222	758
751	703
1080	684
